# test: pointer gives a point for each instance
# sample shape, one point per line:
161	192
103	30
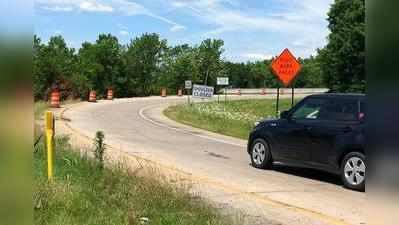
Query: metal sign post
292	96
188	85
225	95
222	81
277	103
188	97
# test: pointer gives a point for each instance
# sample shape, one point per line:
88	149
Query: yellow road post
50	143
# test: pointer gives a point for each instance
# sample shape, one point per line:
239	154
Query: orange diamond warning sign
286	67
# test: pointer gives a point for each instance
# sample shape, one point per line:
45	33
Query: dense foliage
145	66
343	59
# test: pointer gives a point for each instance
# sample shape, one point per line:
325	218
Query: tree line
145	66
148	63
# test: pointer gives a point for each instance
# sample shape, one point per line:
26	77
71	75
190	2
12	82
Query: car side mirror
284	115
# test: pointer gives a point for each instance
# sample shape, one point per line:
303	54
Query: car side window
340	110
309	110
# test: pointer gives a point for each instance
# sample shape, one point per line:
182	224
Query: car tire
353	171
260	154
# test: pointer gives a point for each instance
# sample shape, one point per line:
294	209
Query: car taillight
361	116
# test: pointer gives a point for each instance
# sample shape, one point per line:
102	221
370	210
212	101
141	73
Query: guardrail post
50	144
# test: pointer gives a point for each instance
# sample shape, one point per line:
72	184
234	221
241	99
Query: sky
251	29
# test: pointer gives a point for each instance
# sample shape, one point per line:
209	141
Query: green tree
310	75
89	69
143	62
100	65
147	64
53	66
343	59
108	55
179	64
251	74
238	74
263	76
39	80
209	60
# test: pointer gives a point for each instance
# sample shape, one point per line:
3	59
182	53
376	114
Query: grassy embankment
82	193
236	118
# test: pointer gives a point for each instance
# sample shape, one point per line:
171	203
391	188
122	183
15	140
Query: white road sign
188	84
222	81
202	91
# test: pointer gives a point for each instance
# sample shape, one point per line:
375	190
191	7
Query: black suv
325	132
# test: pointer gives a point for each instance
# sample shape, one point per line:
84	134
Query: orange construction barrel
55	99
163	92
110	94
263	91
93	96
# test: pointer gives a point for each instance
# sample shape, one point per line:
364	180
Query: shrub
99	148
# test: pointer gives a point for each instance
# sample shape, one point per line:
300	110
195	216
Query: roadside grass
235	118
83	193
39	108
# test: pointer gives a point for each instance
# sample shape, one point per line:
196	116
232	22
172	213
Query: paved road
220	165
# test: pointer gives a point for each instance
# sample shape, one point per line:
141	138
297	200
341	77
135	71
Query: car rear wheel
260	154
353	171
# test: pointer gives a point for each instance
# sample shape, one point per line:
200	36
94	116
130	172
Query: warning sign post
286	67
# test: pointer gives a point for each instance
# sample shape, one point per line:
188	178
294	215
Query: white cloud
124	7
130	8
299	43
57	32
123	32
178	4
237	21
177	27
73	44
227	16
74	5
92	6
123	27
133	8
314	53
302	24
58	9
256	56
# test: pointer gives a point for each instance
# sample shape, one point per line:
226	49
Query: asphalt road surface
219	165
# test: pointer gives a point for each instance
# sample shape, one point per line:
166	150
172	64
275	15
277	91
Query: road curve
219	165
